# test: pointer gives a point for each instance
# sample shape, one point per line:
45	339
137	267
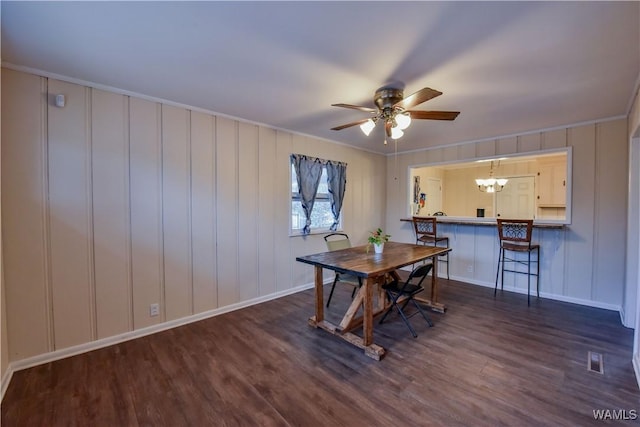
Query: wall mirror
533	185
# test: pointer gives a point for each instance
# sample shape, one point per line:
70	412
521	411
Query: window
317	192
321	215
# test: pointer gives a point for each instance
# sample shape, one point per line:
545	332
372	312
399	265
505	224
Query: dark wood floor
486	362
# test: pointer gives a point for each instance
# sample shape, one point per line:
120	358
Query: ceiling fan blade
419	97
348	125
434	115
356	107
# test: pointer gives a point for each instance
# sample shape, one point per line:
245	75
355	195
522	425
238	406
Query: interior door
517	199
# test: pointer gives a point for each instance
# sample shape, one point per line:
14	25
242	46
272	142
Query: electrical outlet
470	268
154	310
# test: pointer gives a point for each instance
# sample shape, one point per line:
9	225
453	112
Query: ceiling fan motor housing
385	98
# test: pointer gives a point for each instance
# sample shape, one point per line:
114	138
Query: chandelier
491	184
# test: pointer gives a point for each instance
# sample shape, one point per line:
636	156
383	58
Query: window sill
298	233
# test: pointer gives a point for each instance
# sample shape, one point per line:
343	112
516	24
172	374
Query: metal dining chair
336	241
395	290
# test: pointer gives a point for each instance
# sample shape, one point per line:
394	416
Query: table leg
350	321
363	297
433	303
382	295
319	282
367	324
434	280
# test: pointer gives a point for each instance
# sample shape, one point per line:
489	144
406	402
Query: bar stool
515	237
425	228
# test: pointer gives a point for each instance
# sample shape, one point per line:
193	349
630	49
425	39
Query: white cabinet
552	184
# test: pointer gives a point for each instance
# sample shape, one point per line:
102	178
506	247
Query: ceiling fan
394	111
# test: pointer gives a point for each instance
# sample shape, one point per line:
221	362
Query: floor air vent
594	362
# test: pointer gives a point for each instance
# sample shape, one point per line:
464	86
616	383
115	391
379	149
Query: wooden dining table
374	269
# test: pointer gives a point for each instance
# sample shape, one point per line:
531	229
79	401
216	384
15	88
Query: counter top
484	222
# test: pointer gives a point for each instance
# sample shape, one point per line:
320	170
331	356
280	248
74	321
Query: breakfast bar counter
485	222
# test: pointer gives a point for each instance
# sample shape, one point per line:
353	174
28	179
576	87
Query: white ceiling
508	67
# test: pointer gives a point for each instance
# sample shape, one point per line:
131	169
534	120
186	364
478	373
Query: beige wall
424	174
113	203
4	343
634	116
583	263
632	296
463	197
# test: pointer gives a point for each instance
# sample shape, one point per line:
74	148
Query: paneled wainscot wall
582	263
114	202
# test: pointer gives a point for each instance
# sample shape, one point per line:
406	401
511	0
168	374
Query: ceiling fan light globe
396	133
367	127
502	181
490	181
403	121
479	181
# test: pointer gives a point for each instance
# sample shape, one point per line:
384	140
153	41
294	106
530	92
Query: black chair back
420	272
395	290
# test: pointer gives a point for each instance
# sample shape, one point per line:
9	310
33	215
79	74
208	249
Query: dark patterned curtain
308	173
337	181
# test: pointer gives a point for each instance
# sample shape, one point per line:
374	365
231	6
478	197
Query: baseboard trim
6	379
556	297
589	303
623	317
636	367
139	333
